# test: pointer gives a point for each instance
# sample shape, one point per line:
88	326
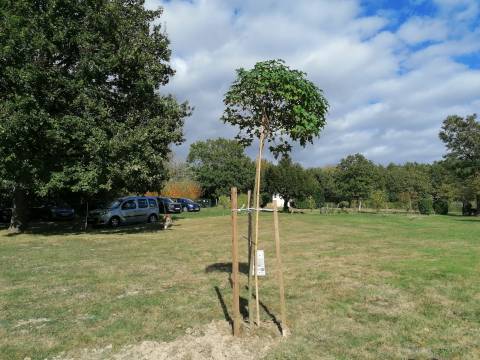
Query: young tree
79	103
462	139
275	104
219	164
356	178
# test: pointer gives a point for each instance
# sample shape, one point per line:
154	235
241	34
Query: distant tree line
218	164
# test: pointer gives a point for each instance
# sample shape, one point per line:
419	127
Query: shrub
440	206
405	201
224	201
242	200
311	203
378	199
467	209
265	198
185	188
307	203
343	204
425	205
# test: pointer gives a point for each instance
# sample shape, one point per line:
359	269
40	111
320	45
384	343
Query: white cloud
420	29
388	90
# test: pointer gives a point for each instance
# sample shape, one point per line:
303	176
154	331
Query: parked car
168	206
188	205
127	210
204	203
5	215
52	210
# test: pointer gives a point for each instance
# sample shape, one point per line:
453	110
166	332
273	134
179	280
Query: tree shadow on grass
78	228
468	219
244	309
226	314
227	267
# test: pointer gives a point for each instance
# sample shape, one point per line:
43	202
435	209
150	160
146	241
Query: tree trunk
477	198
285	205
257	213
18	221
359	205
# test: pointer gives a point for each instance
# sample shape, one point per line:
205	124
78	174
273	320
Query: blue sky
391	70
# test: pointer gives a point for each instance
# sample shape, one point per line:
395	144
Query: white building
280	201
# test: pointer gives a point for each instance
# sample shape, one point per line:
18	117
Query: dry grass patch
357	287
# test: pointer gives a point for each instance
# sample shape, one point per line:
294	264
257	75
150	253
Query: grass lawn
358	286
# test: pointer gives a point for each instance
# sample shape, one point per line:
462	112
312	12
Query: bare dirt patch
213	342
31	322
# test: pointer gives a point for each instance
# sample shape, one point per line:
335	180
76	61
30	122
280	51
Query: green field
358	286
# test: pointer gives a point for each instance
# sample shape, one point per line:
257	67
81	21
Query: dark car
5	215
168	206
55	210
188	205
204	203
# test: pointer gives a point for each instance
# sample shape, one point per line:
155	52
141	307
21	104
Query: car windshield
188	201
115	204
168	200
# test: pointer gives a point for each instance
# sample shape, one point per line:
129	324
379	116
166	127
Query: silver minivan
127	210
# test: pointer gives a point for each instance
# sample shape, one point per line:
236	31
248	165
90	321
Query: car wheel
114	222
152	218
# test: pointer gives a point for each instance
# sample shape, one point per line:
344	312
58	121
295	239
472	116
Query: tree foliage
462	139
378	199
79	103
425	205
356	177
278	101
407	183
328	186
190	189
219	164
290	181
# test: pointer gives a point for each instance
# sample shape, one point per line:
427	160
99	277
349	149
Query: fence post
250	254
235	284
283	314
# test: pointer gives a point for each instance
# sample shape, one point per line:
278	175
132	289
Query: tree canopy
219	164
277	101
290	181
356	177
462	139
80	107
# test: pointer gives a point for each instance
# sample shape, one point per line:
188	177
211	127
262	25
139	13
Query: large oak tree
80	108
357	177
218	164
462	139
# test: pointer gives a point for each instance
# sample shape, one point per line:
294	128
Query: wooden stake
279	270
250	253
257	213
235	284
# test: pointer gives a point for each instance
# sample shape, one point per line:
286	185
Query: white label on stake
261	263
